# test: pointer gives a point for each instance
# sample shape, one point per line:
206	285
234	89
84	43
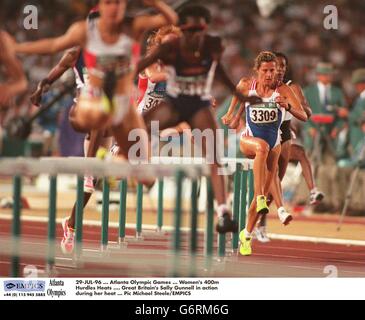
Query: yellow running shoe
261	205
245	244
101	153
104	154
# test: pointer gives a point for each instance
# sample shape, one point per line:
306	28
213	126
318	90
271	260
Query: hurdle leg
209	226
51	224
160	205
79	216
177	222
194	226
236	202
105	215
221	245
139	211
17	189
123	210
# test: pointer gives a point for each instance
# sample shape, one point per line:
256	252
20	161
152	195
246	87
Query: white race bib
263	115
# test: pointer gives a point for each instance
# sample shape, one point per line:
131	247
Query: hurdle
241	168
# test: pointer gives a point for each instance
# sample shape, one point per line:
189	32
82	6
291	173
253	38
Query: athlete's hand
36	96
283	102
226	119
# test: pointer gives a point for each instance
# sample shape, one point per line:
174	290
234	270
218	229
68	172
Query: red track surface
275	259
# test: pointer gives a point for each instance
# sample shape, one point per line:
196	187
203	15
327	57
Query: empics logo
25	286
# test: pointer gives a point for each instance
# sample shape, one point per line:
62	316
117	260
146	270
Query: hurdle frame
33	167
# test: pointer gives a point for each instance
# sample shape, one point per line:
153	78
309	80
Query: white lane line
315	250
309	258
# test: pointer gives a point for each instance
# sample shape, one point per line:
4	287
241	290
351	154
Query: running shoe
226	224
284	216
261	205
261	235
89	186
68	241
245	244
315	197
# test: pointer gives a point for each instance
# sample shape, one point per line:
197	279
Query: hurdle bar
80	167
188	167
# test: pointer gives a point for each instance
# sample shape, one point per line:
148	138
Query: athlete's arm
167	16
17	82
75	36
160	53
155	74
290	102
68	60
303	100
227	118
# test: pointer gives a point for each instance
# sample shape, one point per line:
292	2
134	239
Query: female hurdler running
261	138
107	44
291	150
191	62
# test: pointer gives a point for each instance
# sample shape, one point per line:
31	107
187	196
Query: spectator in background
357	114
326	101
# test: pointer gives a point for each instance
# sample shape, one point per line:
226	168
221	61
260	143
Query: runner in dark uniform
191	62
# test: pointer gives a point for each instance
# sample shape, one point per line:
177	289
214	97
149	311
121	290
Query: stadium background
295	28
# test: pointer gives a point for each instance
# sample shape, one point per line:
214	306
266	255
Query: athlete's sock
222	209
248	235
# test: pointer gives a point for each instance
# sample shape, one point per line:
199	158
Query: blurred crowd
295	28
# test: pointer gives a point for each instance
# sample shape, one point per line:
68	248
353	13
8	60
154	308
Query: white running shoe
315	197
261	235
68	241
284	216
89	184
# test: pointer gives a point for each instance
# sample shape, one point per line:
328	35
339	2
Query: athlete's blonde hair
155	39
264	56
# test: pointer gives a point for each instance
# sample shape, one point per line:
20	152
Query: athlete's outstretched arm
227	118
17	82
75	36
303	100
290	102
166	16
161	52
68	60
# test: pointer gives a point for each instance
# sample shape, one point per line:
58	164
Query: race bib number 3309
263	115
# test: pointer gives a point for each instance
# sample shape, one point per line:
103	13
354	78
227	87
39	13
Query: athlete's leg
164	114
297	153
205	123
97	139
204	120
284	159
259	150
277	193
